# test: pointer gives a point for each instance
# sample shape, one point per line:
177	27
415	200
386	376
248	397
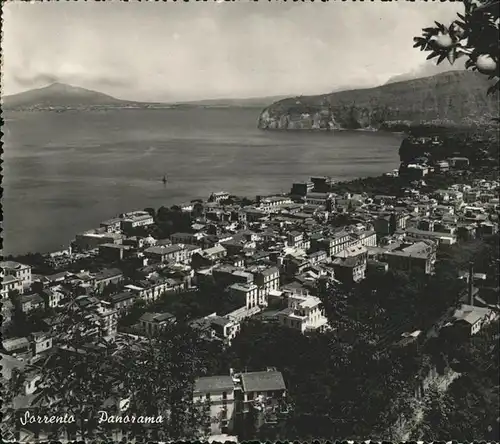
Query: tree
474	35
79	376
10	390
158	376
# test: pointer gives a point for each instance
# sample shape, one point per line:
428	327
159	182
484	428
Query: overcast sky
184	51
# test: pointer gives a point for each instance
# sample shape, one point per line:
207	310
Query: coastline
381	183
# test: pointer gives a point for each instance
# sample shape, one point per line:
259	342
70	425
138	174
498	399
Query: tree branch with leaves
475	35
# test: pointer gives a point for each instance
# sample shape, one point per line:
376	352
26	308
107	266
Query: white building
247	292
136	219
304	313
474	318
10	283
19	271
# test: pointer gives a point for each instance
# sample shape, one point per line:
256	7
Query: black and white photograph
244	220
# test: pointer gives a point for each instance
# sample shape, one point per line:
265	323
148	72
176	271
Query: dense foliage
156	376
475	35
468	410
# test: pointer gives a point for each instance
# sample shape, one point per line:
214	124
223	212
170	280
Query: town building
91	239
218	393
11	284
153	323
350	264
471	319
18	271
412	256
249	293
136	219
267	279
304	313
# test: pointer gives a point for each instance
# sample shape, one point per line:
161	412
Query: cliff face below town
455	97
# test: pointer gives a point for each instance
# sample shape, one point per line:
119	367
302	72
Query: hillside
59	95
456	96
427	69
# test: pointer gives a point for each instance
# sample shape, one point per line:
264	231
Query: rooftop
11	265
108	273
210	384
262	381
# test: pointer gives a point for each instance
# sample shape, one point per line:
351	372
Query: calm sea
66	172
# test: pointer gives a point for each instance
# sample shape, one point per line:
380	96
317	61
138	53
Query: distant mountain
455	96
427	69
59	95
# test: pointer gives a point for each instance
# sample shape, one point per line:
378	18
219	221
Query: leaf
452	56
440	59
432	55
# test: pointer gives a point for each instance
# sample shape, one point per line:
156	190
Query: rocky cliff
455	96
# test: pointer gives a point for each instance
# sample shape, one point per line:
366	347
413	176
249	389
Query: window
224	395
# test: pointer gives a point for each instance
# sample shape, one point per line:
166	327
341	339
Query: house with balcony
218	393
304	313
